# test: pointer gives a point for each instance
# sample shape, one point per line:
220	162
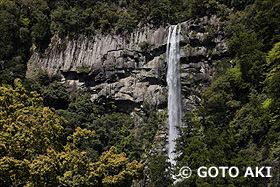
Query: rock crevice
128	70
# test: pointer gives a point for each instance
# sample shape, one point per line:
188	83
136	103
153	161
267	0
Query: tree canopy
33	153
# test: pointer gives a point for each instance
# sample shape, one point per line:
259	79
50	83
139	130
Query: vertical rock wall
128	70
124	70
202	46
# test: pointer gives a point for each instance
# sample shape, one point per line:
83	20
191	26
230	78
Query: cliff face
203	46
129	70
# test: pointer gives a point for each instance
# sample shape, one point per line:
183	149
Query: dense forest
52	137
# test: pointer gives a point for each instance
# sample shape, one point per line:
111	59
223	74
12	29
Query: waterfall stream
174	88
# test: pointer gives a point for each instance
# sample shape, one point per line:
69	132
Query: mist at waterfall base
174	88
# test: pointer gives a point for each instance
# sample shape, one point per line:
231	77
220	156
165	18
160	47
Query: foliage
27	24
116	170
32	153
80	113
159	171
274	55
145	46
237	123
55	95
112	129
152	120
23	23
83	69
53	92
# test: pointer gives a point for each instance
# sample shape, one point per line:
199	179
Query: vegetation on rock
50	137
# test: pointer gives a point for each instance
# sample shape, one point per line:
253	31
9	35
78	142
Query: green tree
32	153
159	170
55	95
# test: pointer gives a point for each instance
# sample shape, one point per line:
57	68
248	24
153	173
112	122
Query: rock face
124	70
129	70
202	47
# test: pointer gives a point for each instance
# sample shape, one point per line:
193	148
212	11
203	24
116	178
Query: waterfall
174	88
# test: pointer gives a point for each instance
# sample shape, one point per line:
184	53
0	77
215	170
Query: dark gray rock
114	68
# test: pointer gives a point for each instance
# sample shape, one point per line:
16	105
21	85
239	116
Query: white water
174	88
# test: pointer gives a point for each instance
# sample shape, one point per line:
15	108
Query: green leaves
22	23
55	95
159	171
32	153
238	122
112	130
273	57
